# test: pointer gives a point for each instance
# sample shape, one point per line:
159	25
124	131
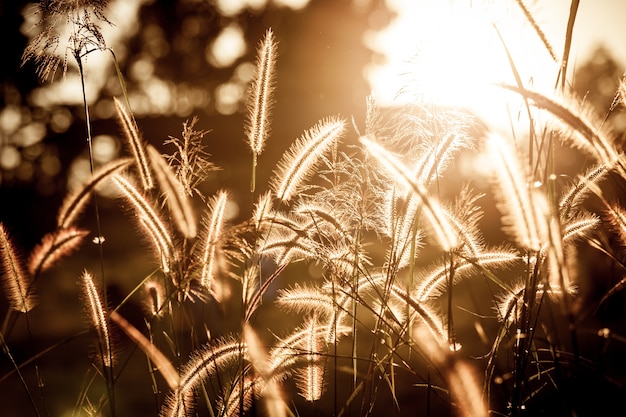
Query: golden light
453	53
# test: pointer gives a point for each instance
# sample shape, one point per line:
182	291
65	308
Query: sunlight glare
449	53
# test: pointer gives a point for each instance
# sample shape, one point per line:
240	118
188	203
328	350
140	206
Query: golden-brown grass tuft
297	163
17	282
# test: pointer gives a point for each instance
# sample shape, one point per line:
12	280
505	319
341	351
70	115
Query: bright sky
451	53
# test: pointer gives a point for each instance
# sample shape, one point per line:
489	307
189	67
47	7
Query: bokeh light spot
33	152
292	4
245	72
79	173
191	26
30	134
231	8
227	97
50	165
10	119
10	157
227	47
25	171
105	148
159	94
155	44
61	120
142	69
231	211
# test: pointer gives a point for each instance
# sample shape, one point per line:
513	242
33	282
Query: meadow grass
352	239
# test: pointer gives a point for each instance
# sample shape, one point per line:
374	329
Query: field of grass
365	278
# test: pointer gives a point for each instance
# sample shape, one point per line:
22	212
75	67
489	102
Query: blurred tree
597	80
179	59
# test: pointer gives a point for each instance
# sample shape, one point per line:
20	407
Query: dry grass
370	261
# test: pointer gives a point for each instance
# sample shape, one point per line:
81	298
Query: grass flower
17	282
261	101
298	162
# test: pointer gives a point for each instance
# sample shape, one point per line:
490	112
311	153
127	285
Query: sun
456	53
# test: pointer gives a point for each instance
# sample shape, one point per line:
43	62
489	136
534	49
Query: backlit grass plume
149	218
210	258
177	200
204	364
162	364
260	100
584	130
75	202
135	143
72	25
443	231
98	319
53	247
514	197
16	281
298	162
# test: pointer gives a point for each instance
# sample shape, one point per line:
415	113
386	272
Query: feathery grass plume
540	33
74	19
148	218
558	273
17	283
393	311
301	299
204	363
583	122
287	240
617	217
514	199
465	218
436	159
213	240
135	143
250	284
443	231
271	392
159	360
301	352
400	217
465	390
432	284
75	202
428	318
98	318
243	391
175	196
310	379
580	227
322	220
260	100
262	210
291	351
343	296
155	298
190	159
580	190
508	306
53	247
298	162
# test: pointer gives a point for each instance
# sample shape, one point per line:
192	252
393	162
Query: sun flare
456	53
